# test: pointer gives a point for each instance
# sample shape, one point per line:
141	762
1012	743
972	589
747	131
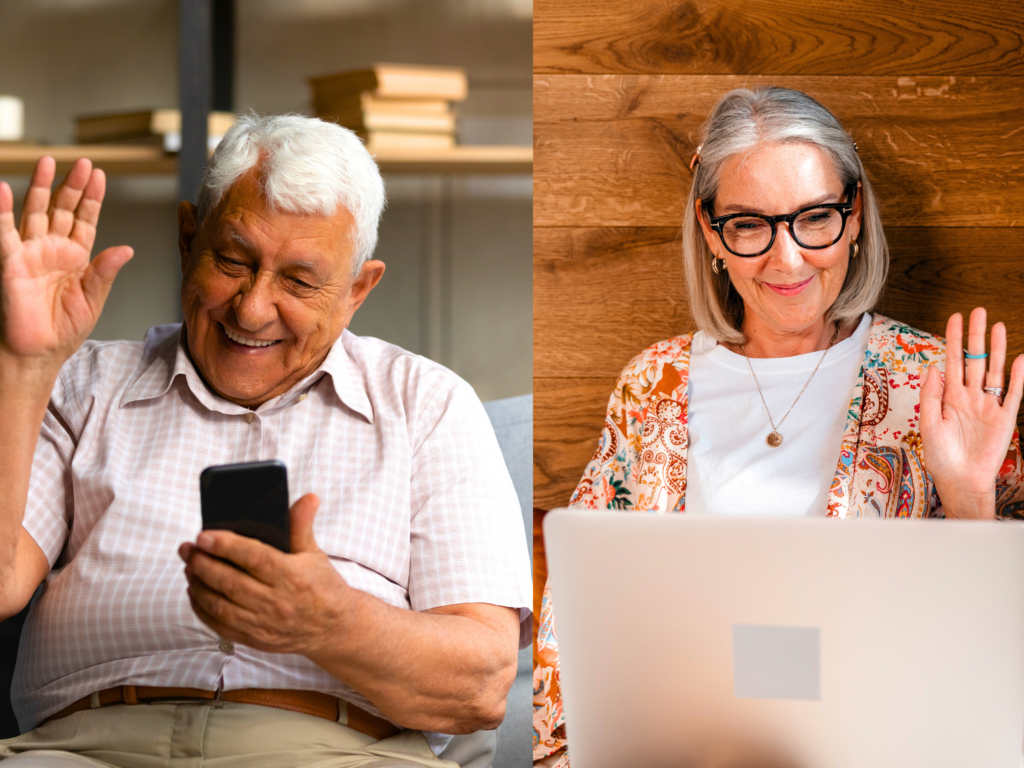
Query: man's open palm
51	295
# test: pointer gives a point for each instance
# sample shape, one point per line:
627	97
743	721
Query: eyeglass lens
816	228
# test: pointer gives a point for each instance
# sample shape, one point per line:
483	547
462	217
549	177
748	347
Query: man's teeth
247	342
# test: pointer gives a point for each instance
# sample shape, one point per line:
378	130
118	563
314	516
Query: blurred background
457	246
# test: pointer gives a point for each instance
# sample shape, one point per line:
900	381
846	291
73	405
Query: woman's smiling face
786	291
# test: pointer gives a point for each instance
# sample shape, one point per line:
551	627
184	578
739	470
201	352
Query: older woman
792	398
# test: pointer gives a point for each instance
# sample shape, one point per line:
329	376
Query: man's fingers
302	513
65	200
99	276
238	587
34	221
87	214
218	614
259	559
954	350
976	346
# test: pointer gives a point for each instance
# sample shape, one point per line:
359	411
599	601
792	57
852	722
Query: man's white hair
308	166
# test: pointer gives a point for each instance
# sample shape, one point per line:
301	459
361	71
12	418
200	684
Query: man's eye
233	262
298	283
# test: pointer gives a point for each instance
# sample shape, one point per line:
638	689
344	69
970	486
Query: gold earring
714	264
855	250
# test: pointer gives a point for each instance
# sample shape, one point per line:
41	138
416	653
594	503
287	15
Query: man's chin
242	389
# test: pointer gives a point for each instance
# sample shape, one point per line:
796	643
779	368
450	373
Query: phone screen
248	499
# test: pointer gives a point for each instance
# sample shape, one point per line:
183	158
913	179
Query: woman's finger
87	214
1015	389
65	199
931	401
997	358
34	221
954	350
8	234
976	346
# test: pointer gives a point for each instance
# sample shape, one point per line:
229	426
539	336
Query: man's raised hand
51	295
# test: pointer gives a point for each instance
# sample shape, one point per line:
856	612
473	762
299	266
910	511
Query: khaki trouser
209	735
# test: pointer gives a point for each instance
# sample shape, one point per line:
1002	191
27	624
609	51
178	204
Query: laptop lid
798	642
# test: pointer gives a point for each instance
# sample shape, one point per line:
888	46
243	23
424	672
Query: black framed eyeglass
752	234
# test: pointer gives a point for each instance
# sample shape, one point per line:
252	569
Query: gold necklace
774	439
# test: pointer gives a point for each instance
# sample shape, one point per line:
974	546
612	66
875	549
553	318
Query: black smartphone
248	499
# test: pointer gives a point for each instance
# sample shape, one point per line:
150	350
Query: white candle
12	118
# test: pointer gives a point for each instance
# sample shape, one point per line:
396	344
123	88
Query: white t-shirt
730	468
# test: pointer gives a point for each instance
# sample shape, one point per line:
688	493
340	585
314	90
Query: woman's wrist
965	504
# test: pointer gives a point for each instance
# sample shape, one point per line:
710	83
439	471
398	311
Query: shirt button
302	396
249	417
226	646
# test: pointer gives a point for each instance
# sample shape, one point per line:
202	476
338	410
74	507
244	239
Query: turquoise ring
969	356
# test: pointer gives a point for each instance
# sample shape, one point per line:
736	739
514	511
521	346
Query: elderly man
396	616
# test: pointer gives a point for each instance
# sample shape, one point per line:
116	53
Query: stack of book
161	127
393	106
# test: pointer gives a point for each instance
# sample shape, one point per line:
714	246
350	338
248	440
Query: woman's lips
790	289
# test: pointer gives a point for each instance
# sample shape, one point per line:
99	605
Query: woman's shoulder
896	343
669	353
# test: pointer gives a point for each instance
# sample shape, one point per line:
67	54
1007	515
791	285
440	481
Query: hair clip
695	160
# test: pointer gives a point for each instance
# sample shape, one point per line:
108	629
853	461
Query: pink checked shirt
417	508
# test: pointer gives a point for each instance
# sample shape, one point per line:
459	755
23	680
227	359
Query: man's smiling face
266	293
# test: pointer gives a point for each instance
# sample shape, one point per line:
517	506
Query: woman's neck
765	341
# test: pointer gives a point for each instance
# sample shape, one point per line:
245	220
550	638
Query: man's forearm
24	393
436	671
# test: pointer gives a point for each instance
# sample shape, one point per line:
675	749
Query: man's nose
254	303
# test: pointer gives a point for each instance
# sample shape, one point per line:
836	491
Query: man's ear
186	232
369	275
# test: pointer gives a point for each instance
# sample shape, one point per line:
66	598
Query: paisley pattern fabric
640	464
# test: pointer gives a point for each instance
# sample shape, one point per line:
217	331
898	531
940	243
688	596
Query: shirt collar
165	358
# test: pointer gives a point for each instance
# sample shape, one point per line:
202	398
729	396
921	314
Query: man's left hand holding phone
255	573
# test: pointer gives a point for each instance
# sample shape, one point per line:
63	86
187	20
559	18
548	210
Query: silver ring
997	391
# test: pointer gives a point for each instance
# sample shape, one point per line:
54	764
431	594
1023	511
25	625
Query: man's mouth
245	340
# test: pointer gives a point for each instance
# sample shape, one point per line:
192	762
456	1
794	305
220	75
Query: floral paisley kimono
640	464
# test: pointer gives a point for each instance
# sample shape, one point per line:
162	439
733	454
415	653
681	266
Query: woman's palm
52	295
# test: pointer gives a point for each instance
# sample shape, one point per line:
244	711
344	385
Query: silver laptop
796	643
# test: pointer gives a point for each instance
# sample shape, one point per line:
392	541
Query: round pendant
774	439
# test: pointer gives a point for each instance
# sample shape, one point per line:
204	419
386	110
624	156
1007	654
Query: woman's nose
785	250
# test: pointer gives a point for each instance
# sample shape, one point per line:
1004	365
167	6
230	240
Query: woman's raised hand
965	431
51	295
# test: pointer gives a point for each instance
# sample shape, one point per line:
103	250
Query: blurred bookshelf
20	159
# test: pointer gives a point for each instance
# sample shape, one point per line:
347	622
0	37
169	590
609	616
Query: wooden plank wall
932	91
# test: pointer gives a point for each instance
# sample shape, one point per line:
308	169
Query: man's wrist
31	374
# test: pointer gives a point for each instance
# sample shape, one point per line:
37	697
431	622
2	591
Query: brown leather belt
308	702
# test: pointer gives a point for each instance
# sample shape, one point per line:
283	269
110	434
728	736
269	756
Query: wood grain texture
614	150
568	414
601	295
783	37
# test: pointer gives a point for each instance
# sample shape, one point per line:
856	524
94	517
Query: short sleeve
50	502
467	539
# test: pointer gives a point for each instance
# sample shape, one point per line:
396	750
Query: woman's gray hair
308	166
742	121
